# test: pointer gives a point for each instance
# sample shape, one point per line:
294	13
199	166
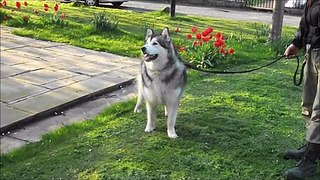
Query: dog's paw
149	129
172	135
137	110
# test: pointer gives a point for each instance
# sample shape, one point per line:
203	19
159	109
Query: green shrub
54	20
262	32
280	45
104	22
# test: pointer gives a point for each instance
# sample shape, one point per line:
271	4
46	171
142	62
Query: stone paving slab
50	100
10	45
13	58
10	115
44	76
13	89
65	82
9	71
74	51
35	52
88	69
32	66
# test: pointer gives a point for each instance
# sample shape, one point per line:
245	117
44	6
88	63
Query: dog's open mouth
150	57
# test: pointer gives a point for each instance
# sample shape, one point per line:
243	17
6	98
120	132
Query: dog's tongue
147	57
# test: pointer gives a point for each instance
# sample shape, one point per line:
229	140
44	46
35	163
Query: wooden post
172	8
277	20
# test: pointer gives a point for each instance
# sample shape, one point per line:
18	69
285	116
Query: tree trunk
277	20
172	8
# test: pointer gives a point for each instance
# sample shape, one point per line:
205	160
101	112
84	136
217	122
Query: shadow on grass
117	147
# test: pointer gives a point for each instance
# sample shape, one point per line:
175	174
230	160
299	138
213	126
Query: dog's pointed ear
148	34
165	34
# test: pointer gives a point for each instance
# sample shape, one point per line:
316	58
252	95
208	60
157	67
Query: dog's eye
154	43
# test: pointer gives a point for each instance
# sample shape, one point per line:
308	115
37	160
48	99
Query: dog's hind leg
151	116
172	117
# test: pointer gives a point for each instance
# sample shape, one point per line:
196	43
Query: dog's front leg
137	108
151	115
165	111
172	109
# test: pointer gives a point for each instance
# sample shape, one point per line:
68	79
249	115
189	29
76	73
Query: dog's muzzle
148	57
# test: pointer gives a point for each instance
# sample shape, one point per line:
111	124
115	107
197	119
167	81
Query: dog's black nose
143	49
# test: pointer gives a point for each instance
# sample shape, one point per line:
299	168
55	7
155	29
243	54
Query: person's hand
291	51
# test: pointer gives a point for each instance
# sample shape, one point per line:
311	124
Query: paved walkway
40	77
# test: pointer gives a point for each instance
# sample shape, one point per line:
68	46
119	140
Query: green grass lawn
230	127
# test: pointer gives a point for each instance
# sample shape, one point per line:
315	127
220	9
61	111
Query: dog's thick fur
162	79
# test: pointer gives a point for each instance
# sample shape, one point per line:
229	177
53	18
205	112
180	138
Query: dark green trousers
311	95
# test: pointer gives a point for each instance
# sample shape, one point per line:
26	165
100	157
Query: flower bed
205	48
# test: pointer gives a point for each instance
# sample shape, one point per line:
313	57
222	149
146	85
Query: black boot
307	165
295	154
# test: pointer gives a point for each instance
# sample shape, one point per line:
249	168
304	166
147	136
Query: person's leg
307	99
313	131
309	88
308	164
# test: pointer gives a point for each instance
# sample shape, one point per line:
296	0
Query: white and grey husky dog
162	79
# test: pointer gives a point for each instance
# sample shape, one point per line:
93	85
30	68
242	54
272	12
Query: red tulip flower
182	49
46	7
198	36
231	51
219	43
209	30
18	5
204	33
177	30
216	44
194	29
205	38
222	51
195	43
4	3
56	7
218	35
189	36
25	3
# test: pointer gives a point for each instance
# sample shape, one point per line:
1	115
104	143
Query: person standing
308	38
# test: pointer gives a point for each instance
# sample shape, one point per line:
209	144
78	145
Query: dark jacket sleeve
300	36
